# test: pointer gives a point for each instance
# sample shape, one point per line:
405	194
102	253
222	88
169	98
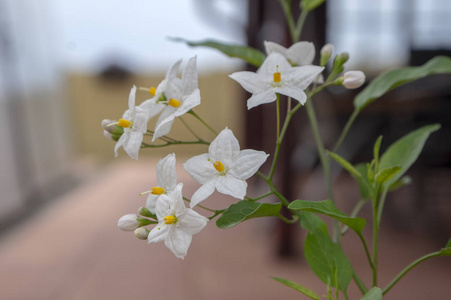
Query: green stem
345	131
189	128
408	268
288	221
359	283
381	205
375	240
367	252
218	212
259	198
200	142
203	122
300	24
201	206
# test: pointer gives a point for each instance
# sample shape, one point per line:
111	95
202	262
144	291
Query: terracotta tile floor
72	249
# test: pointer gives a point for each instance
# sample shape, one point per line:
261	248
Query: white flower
300	53
174	96
128	222
224	168
141	233
134	122
353	79
276	75
176	223
166	181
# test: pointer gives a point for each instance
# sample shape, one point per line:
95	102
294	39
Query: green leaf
448	245
394	78
310	5
405	151
307	292
245	210
447	250
387	173
376	148
327	207
364	184
374	294
345	164
248	54
326	258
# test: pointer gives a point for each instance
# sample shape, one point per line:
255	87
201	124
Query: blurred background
66	65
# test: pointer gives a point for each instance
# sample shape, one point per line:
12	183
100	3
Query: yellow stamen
157	190
174	103
169	219
276	76
218	166
152	91
124	123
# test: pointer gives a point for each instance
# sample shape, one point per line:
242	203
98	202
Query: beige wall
92	99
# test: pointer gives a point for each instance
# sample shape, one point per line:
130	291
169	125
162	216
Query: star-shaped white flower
174	96
166	181
276	75
134	121
224	167
299	54
176	223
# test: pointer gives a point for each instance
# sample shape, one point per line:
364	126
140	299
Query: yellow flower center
173	102
276	76
152	91
124	123
218	166
169	219
157	190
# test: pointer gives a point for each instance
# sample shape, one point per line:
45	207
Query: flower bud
341	59
107	135
142	233
128	222
353	79
326	53
112	127
143	211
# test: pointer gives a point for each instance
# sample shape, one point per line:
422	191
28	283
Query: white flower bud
128	222
107	135
142	233
106	122
327	50
353	79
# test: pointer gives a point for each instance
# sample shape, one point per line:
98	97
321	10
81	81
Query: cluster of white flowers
225	167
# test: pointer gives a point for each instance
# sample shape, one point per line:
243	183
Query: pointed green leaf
248	54
394	78
448	245
307	292
310	5
387	173
326	258
374	294
245	210
376	148
405	151
345	164
447	250
327	207
364	184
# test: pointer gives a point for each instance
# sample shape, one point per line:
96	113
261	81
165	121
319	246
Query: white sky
90	33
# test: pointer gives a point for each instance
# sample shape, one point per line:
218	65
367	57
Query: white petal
261	98
272	63
192	222
166	173
301	53
191	101
203	193
301	77
272	47
231	186
151	107
248	162
134	144
250	81
293	92
224	148
174	89
177	198
152	202
164	122
178	241
173	70
158	233
200	168
131	99
189	76
164	207
122	140
140	120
